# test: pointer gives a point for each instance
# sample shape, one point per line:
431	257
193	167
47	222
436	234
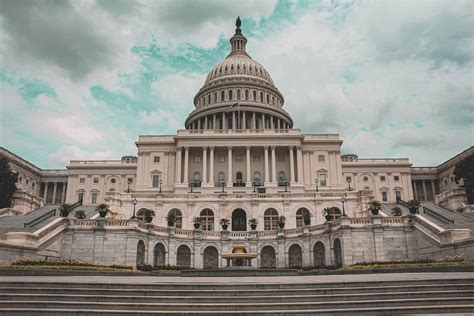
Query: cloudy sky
82	79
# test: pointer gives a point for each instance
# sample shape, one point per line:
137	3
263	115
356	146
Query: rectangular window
156	159
384	196
321	157
156	180
221	159
256	158
94	197
96	180
382	178
82	180
239	158
281	158
197	159
322	180
396	178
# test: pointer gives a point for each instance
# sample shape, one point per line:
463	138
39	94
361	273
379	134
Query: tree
464	171
8	181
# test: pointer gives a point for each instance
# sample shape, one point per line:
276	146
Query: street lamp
316	181
161	181
134	202
254	185
222	185
129	181
343	201
191	184
286	185
349	179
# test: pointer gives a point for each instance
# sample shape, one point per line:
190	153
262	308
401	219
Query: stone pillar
263	121
204	165
233	120
415	193
214	121
249	179
186	165
278	123
292	166
199	123
274	176
230	183
224	122
211	166
205	122
254	121
45	193
63	195
265	148
271	121
244	123
54	192
299	157
179	152
433	189
425	197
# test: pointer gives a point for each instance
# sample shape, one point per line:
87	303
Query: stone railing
294	231
428	227
61	222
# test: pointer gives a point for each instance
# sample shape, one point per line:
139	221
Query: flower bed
63	265
449	260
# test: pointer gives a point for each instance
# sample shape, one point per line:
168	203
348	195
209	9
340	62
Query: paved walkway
242	280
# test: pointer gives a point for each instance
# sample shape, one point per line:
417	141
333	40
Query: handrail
437	215
400	201
39	219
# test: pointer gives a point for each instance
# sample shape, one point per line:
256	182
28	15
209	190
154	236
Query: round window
366	178
113	180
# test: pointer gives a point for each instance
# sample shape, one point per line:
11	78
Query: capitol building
241	159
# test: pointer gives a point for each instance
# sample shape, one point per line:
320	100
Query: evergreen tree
7	183
465	170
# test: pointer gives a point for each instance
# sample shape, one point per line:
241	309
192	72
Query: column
265	148
292	166
230	183
54	192
211	165
233	120
224	123
254	121
299	162
274	176
63	195
179	153
263	121
199	123
249	179
244	123
205	122
45	193
204	165
278	123
271	121
425	198
415	193
433	189
186	165
214	121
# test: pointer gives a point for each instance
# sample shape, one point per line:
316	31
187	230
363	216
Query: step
233	299
224	307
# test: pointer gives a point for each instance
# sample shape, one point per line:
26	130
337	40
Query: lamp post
343	201
129	181
222	185
316	181
254	185
191	184
134	202
286	186
161	182
349	182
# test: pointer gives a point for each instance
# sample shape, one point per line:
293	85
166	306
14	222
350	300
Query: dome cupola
238	86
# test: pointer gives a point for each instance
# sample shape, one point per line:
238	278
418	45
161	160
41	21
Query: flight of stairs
336	298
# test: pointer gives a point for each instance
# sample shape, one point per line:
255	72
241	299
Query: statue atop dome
238	23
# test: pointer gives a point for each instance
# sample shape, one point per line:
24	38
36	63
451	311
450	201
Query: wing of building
240	157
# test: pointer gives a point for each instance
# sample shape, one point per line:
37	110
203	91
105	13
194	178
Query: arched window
257	178
239	220
221	178
178	217
301	214
222	96
281	179
215	97
295	256
210	258
183	256
246	94
208	99
319	256
254	94
268	98
140	253
238	94
207	219
261	97
230	95
159	255
335	213
141	214
270	219
268	257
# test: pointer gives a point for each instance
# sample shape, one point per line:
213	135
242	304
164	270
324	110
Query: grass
407	265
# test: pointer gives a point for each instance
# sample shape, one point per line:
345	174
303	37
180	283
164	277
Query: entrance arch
159	255
318	253
239	220
140	253
268	257
211	258
295	256
183	256
337	253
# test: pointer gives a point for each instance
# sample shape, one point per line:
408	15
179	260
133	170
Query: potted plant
224	222
149	214
413	205
307	218
253	223
327	214
281	221
197	222
171	219
103	209
80	214
64	210
374	207
396	211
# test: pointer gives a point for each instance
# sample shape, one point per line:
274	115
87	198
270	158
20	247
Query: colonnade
239	120
55	193
270	175
423	195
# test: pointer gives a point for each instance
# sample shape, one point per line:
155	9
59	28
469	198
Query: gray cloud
53	31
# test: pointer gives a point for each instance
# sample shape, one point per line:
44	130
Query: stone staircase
440	296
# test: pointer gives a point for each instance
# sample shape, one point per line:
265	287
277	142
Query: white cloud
65	154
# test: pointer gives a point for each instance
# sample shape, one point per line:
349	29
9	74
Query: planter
261	190
328	218
102	213
307	222
197	225
375	211
253	226
225	226
170	223
64	213
149	219
281	225
413	210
